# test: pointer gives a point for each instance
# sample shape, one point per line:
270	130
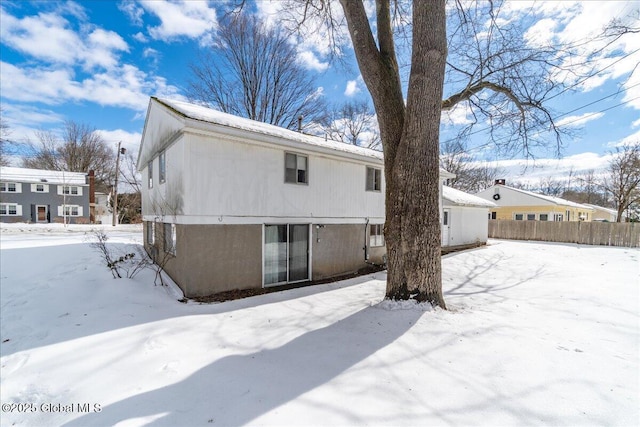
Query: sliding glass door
286	253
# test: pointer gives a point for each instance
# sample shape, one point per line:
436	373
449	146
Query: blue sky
99	61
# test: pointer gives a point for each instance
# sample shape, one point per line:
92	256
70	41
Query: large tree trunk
410	137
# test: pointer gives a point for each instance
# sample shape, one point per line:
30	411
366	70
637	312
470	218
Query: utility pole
114	219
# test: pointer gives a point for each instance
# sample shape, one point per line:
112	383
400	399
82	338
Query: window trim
5	187
151	233
377	179
150	173
68	190
162	167
170	249
376	235
7	212
70	209
515	217
297	171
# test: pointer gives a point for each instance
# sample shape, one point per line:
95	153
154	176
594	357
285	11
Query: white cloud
634	138
635	124
140	37
130	140
132	10
180	18
124	86
352	88
575	121
310	61
460	114
49	37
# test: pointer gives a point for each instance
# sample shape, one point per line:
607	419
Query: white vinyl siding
69	190
39	188
70	210
10	187
10	209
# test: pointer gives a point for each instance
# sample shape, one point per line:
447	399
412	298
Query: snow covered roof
464	199
209	115
608	210
41	175
552	199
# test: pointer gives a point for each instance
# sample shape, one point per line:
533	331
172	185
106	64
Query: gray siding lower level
216	258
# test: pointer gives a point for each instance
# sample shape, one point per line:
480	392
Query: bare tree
550	186
4	133
470	175
253	72
81	149
623	178
491	71
354	122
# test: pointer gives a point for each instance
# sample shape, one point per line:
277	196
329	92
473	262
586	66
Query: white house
241	204
464	219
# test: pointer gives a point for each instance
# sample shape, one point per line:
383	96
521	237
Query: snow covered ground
536	334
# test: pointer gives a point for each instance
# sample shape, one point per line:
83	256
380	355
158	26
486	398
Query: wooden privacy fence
587	233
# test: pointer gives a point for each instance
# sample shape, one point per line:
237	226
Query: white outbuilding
464	219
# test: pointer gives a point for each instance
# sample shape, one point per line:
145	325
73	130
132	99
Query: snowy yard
536	334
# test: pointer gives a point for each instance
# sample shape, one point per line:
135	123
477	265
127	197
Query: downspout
366	247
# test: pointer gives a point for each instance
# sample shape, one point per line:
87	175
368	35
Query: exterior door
286	253
41	213
446	227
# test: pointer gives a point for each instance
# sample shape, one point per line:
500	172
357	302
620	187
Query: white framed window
10	209
150	171
162	167
544	217
558	217
70	190
374	179
518	217
376	235
39	188
10	187
151	232
531	217
70	210
170	238
296	168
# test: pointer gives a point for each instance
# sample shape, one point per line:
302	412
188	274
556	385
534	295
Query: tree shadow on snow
237	389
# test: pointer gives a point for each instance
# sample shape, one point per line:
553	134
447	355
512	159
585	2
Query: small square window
150	168
170	238
376	235
11	187
374	178
162	172
151	232
295	169
518	217
544	217
531	217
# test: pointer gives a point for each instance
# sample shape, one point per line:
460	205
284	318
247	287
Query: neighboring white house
605	214
521	205
464	219
240	204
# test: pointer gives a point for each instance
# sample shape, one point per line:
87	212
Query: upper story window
150	169
296	168
162	167
10	187
39	188
374	179
71	190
